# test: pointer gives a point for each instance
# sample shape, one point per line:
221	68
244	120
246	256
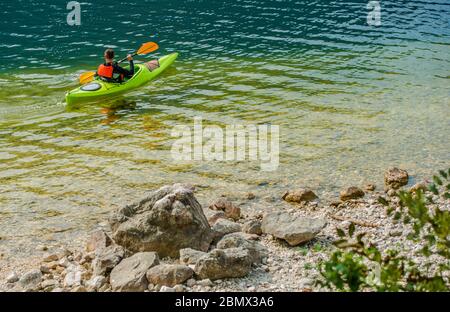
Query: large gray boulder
256	250
224	263
165	221
293	229
129	274
169	274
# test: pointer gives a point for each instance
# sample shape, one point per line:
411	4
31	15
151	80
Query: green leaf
437	180
433	189
360	236
340	232
351	229
383	201
443	174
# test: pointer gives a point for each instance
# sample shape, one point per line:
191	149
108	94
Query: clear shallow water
350	100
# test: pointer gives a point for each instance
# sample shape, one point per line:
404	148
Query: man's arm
123	71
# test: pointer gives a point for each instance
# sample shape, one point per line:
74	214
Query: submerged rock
165	221
231	210
129	274
299	195
352	192
224	263
294	230
394	178
169	274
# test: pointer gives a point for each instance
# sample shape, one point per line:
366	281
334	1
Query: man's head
109	55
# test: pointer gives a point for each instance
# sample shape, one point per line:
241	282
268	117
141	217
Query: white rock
205	282
96	282
12	278
167	289
49	283
73	278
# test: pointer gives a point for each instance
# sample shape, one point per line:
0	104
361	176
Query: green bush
359	265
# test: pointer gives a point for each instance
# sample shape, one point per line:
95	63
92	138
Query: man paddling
110	71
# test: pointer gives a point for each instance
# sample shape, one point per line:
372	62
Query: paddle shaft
125	58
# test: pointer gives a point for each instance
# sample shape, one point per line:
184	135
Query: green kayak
99	89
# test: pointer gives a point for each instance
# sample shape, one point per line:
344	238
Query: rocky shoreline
168	242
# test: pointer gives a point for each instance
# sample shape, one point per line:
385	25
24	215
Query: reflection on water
350	101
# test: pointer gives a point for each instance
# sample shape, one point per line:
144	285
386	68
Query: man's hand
129	57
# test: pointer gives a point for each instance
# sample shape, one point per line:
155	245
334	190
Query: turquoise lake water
350	100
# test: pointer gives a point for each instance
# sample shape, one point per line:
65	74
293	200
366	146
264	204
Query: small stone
98	240
73	277
352	192
190	256
130	273
223	227
252	227
191	282
205	283
419	186
96	282
107	258
391	193
251	289
213	215
370	187
105	288
224	263
166	289
293	229
169	274
306	283
395	233
395	178
31	280
42	248
178	288
64	262
51	283
44	269
225	205
300	195
79	289
250	196
50	258
12	278
58	290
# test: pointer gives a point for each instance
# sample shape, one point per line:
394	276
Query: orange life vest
105	71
